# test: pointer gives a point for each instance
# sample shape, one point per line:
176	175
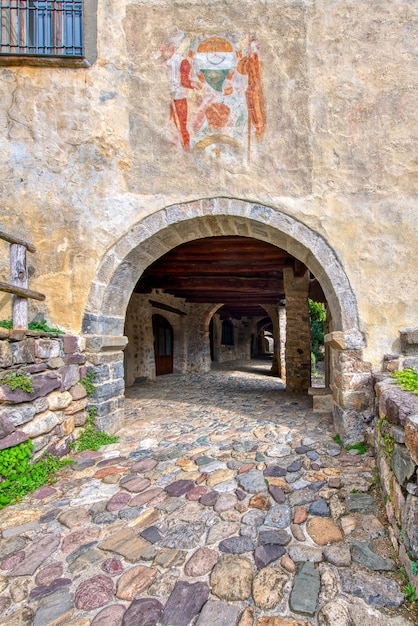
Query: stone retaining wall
396	442
53	413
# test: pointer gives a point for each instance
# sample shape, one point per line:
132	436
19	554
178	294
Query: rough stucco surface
88	153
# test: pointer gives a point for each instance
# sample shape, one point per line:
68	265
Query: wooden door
163	345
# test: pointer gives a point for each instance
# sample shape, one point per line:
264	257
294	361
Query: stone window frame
89	43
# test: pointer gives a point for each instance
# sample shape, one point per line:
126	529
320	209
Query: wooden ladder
18	285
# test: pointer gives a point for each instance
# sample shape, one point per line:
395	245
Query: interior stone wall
89	153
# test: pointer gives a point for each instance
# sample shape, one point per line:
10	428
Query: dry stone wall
52	414
396	441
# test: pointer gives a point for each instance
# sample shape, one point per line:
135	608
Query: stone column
351	385
282	341
105	357
276	367
298	331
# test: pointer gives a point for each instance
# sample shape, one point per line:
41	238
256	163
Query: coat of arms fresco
217	101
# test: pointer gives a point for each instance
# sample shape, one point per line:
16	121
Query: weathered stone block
42	385
398	433
17	415
402	465
73	343
80	418
398	499
78	392
59	400
40	404
24	351
47	348
411	436
410	525
109	390
99	343
35	368
55	363
68	425
6	426
43	423
74	359
6	358
396	405
409	341
70	376
112	422
76	406
13	440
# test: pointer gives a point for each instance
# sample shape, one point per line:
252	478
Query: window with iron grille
41	28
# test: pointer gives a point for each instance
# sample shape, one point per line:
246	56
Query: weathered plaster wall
87	153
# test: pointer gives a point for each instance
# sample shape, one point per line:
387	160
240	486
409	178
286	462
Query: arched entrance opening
156	235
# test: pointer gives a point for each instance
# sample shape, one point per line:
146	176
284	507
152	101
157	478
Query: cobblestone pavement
225	503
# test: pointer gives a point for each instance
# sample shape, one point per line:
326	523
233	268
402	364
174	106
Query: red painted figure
181	77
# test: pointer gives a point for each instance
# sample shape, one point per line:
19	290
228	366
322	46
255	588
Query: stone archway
157	234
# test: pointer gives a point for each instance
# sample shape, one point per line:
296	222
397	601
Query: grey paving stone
237	545
360	503
279	516
376	590
305	591
252	481
216	613
363	554
53	608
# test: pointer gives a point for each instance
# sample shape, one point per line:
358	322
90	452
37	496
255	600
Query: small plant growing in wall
15	380
19	475
40	327
91	437
407	379
88	383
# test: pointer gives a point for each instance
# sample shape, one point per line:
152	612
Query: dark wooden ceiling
241	272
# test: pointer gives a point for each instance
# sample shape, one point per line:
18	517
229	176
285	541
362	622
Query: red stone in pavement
245	468
300	515
112	566
203	476
195	493
106	471
94	593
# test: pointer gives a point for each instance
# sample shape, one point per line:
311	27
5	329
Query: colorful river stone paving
226	502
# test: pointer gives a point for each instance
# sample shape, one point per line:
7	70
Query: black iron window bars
41	27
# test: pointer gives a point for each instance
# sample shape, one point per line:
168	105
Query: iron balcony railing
41	27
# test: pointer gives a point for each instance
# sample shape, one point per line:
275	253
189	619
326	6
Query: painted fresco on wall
217	101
